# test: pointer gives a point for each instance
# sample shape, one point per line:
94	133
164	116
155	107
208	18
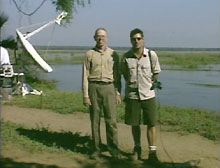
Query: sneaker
136	153
116	154
95	155
192	163
152	158
117	157
135	156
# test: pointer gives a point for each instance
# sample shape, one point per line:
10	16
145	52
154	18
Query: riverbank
186	120
42	138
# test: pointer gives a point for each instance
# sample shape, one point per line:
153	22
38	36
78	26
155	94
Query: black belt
100	82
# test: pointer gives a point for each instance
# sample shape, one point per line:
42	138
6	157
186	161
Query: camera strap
151	64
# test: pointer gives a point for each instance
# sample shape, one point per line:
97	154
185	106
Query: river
180	88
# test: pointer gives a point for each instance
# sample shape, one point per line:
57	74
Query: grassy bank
188	120
184	60
42	139
187	60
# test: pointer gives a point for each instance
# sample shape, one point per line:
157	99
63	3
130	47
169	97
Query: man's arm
124	69
155	63
85	82
156	71
117	77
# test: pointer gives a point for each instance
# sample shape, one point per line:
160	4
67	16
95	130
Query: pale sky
165	23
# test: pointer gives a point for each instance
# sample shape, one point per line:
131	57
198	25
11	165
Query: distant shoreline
125	48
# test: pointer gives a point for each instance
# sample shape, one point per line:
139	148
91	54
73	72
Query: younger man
140	67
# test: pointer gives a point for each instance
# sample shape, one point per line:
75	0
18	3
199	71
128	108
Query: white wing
30	48
33	52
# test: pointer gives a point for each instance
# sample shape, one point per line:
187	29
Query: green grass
42	139
186	60
205	84
202	122
191	120
189	60
10	133
59	101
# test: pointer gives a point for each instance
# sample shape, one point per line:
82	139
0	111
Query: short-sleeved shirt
101	66
138	75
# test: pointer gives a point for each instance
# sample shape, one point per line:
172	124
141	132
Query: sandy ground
181	148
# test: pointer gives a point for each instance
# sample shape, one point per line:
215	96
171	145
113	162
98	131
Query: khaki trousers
102	97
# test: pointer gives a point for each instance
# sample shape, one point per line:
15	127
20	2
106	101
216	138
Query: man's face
100	38
137	41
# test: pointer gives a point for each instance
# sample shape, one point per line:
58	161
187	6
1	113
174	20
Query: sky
165	23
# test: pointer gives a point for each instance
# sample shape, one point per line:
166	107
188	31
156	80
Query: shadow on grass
187	164
9	163
82	144
108	163
66	140
125	163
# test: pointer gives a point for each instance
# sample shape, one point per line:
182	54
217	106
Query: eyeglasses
138	38
100	37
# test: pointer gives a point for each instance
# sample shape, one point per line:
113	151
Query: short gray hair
100	28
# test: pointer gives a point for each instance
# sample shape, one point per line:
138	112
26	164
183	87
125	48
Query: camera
156	84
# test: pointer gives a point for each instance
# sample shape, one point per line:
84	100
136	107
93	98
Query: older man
100	91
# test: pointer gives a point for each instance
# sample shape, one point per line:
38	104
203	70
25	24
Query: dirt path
181	148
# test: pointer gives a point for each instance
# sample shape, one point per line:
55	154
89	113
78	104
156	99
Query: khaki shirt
101	66
138	75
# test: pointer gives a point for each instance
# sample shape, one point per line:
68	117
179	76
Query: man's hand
86	101
118	99
155	76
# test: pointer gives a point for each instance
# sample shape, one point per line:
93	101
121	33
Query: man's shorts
135	109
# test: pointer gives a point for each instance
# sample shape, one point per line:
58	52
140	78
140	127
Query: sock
152	149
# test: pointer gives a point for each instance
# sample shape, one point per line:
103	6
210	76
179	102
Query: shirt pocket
146	71
132	72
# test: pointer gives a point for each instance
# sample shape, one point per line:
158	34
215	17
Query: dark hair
136	31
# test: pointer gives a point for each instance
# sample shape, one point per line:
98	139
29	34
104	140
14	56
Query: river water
180	88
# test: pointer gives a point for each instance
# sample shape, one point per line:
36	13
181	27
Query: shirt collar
145	53
97	49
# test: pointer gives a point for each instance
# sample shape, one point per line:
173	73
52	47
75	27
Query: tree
9	42
70	6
